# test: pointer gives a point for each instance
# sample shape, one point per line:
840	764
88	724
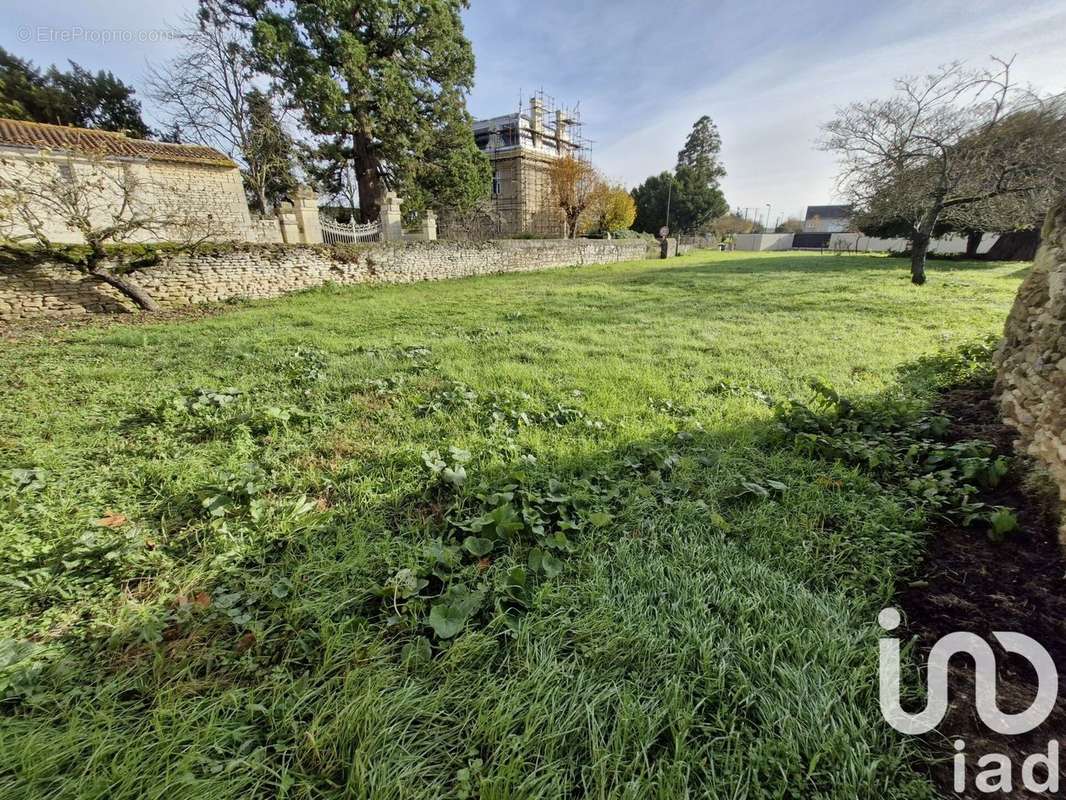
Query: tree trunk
973	241
367	176
127	287
920	245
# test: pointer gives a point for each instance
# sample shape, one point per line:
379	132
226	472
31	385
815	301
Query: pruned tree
103	202
730	225
477	223
574	183
210	94
951	147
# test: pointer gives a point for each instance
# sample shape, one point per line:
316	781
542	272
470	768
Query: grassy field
482	538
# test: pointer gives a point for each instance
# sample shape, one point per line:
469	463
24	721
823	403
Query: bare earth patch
974	584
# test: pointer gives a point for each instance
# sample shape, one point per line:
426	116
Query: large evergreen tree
270	158
691	193
698	170
651	198
701	150
377	80
76	97
453	174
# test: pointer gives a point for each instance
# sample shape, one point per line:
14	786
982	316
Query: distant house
521	147
827	219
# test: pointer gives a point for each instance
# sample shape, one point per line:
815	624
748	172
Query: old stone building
198	179
166	182
521	147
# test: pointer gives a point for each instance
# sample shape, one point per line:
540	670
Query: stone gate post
391	218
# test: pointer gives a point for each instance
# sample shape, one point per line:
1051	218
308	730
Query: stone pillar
391	218
429	226
287	221
561	141
305	206
536	120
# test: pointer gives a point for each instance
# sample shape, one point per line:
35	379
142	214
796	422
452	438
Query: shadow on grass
701	635
829	263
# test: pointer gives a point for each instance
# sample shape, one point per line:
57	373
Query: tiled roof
829	212
16	133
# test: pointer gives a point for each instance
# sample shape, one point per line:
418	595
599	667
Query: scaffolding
521	147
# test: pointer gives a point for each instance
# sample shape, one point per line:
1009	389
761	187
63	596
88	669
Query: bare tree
48	200
952	146
731	225
574	183
209	93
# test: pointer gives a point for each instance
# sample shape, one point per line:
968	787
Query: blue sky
768	73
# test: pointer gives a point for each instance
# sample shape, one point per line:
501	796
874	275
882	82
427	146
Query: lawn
476	538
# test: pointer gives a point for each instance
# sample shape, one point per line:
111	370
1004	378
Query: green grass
693	643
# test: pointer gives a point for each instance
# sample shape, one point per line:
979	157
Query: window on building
497	183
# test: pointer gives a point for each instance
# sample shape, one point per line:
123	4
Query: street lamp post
768	217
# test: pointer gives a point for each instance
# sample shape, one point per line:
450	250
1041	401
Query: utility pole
669	194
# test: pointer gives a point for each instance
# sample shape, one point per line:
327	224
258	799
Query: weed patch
526	536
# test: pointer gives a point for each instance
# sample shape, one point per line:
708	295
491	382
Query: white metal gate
334	232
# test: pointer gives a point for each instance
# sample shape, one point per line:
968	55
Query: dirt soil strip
970	583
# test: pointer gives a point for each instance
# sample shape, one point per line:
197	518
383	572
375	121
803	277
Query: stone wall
204	191
1031	382
268	271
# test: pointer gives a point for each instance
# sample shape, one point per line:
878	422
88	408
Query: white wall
763	241
948	245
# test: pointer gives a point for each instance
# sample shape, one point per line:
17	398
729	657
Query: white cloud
769	111
767	72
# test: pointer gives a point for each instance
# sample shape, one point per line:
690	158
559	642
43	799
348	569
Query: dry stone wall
1032	359
268	271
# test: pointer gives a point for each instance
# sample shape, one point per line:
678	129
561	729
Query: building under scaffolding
521	147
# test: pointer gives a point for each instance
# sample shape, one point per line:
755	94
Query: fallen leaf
112	520
245	642
484	563
201	600
321	504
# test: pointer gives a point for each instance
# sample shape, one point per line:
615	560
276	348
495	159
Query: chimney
560	133
536	119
